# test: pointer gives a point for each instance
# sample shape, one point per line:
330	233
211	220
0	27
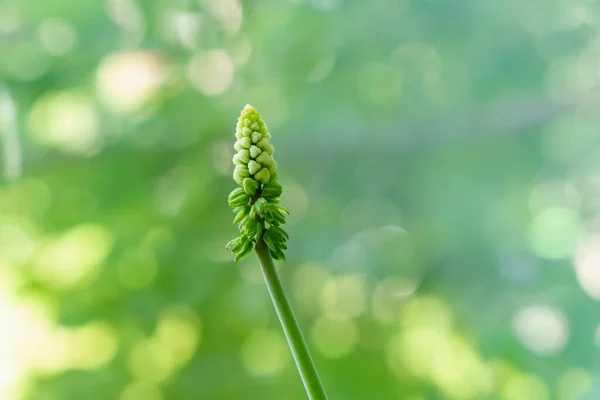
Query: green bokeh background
441	160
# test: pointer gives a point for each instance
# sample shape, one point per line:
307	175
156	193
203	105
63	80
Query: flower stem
306	367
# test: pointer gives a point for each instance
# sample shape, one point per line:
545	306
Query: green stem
306	367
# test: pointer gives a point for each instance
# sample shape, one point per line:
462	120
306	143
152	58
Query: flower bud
252	228
240	244
271	190
241	215
232	243
239	201
244	251
277	254
263	143
276	218
244	156
255	136
237	192
239	173
245	142
254	151
283	210
261	206
250	186
269	241
253	167
280	232
264	159
263	175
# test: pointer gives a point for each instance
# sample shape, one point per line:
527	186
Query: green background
440	160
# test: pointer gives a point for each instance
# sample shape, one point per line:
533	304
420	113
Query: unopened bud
250	186
255	136
263	175
254	167
254	151
239	173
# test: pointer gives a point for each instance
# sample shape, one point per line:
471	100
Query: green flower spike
259	217
256	202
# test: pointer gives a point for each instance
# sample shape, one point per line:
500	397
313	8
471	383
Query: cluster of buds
256	202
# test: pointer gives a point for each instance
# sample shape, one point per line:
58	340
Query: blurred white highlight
127	15
227	12
126	81
587	266
541	329
211	72
183	27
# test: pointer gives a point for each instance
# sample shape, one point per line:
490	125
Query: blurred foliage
440	158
